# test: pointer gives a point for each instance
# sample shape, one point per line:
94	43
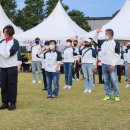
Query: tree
31	15
80	19
51	4
9	7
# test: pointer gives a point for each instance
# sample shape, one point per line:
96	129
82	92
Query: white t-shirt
68	55
108	54
35	51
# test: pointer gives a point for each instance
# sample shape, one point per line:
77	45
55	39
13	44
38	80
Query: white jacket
8	53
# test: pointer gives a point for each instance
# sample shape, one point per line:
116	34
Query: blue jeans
52	76
88	75
126	70
68	69
110	79
36	66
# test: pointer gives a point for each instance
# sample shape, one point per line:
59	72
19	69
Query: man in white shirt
110	54
36	62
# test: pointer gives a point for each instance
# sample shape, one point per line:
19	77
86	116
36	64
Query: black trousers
0	77
9	79
44	78
76	71
119	72
100	76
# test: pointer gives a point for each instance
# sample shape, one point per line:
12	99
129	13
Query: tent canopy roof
57	26
120	24
4	21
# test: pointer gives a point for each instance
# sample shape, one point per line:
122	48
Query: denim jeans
88	75
68	69
52	76
36	66
110	79
126	69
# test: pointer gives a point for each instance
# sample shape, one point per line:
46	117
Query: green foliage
31	15
36	10
80	19
9	7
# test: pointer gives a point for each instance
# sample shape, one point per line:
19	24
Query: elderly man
110	55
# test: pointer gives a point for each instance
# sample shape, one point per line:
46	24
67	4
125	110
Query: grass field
72	110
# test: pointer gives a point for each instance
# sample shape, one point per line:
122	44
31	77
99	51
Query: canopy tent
4	21
57	26
120	24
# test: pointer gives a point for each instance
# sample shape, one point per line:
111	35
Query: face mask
47	47
52	47
107	37
75	44
87	45
37	42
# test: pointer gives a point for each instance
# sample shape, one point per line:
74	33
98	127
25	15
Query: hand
43	48
19	68
57	69
99	30
94	70
111	69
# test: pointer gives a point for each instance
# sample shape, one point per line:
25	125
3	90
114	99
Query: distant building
96	22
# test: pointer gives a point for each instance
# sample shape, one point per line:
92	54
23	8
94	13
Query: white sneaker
85	91
89	91
66	87
69	87
39	81
77	79
34	81
127	86
73	79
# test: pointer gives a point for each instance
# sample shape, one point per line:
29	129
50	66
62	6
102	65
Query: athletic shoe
77	79
39	81
69	87
12	107
85	91
34	81
90	91
49	96
117	99
73	79
106	98
4	106
66	87
127	86
53	96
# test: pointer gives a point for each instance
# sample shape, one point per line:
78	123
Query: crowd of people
106	57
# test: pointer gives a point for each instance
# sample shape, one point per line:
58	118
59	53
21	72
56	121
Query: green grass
72	110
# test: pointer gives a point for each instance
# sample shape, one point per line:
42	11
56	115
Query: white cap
88	40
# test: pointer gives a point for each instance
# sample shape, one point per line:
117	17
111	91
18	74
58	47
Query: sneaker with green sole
117	99
106	98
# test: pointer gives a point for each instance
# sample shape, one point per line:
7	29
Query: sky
91	8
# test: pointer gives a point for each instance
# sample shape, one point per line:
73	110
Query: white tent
57	26
120	24
4	21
